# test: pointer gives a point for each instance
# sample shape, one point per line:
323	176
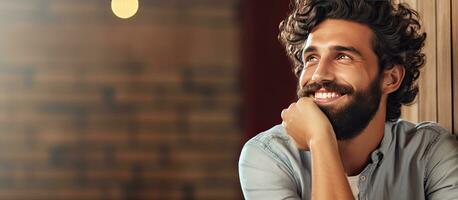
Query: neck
355	153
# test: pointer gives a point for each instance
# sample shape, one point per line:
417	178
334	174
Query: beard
351	119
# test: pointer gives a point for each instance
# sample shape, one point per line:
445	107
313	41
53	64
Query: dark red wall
268	84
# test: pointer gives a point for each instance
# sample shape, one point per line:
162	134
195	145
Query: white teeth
326	95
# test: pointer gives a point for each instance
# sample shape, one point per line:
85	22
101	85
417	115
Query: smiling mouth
324	96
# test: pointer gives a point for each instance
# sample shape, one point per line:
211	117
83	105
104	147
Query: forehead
341	32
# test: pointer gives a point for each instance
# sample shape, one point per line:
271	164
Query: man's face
341	75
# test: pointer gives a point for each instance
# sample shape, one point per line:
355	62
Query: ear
392	78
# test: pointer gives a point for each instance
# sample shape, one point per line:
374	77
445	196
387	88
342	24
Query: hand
305	122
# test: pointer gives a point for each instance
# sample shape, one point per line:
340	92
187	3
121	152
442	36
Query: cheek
354	77
359	81
303	79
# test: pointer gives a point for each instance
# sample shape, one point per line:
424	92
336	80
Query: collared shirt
413	161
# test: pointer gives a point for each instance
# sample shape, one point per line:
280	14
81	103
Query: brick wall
95	107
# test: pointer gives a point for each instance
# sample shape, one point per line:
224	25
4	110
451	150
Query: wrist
327	138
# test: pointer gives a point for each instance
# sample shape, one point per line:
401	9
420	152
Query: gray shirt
413	161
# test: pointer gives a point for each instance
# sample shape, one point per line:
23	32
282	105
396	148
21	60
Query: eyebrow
309	49
336	48
347	48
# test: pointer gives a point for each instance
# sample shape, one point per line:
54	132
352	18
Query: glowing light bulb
124	8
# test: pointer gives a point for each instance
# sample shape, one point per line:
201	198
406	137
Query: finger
291	106
304	103
303	100
283	114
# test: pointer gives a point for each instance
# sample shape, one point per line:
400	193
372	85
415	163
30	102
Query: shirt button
363	178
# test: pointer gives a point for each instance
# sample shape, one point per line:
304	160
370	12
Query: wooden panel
410	113
455	63
412	3
428	92
444	65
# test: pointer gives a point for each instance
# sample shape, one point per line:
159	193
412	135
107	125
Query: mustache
311	88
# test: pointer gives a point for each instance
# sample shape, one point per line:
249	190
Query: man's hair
398	38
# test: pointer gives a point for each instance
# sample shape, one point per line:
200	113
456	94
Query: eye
311	58
344	57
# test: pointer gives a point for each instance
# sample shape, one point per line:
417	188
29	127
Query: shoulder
426	138
274	142
274	136
439	153
269	166
424	132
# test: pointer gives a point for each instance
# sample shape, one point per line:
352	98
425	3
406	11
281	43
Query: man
357	62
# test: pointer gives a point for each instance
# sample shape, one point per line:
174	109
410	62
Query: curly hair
398	38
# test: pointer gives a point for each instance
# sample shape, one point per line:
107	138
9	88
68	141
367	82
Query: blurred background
158	106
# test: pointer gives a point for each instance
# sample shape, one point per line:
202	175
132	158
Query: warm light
124	8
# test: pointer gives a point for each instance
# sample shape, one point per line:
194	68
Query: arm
263	177
310	129
328	176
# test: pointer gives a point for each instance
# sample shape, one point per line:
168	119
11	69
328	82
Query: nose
323	72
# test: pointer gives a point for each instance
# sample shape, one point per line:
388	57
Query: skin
355	66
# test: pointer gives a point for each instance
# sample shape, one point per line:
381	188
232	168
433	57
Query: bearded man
357	62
